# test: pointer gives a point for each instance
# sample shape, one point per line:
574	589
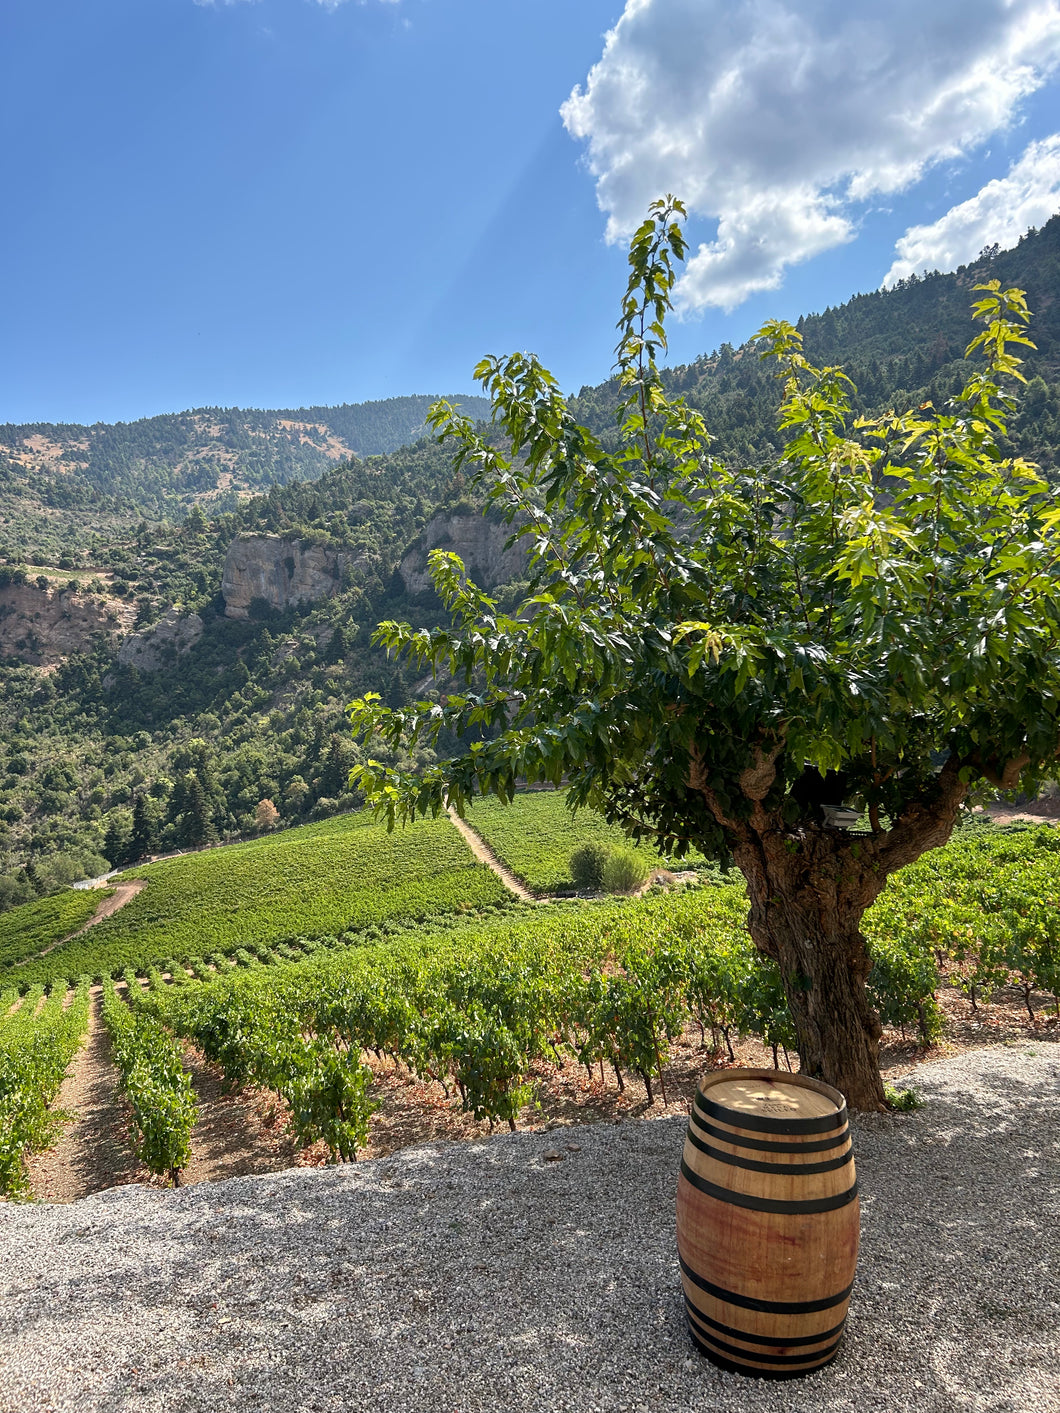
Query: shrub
903	1101
624	871
587	866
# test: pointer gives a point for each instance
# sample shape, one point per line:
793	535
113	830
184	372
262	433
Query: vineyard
984	913
420	965
29	930
346	875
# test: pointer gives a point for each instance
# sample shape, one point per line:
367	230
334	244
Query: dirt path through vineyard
123	893
485	854
92	1151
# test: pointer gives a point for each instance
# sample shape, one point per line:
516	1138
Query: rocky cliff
42	626
281	571
162	643
479	543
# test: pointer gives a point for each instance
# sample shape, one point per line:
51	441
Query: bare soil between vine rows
92	1151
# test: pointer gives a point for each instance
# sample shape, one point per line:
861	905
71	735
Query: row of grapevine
20	1014
248	1031
35	1050
983	912
474	1010
156	1084
613	984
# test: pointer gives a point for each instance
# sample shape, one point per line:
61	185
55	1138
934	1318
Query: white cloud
778	118
1000	212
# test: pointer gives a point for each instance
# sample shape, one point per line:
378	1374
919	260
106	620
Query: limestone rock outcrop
281	570
479	543
161	643
42	626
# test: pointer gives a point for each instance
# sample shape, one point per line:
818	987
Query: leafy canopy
884	594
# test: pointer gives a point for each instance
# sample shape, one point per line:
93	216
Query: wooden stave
747	1326
741	1332
762	1363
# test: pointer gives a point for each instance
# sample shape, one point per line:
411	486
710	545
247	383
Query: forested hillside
900	347
102	761
59	484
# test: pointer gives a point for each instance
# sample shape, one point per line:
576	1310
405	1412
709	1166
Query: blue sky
285	202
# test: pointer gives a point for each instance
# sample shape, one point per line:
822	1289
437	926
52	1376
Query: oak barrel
767	1221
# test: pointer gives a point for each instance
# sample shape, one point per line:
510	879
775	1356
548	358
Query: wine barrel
767	1222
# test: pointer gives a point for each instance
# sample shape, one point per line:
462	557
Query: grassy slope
27	930
536	834
345	874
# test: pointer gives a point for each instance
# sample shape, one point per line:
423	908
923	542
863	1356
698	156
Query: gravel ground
496	1276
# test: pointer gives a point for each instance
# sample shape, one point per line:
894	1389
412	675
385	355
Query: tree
266	815
144	837
195	824
337	647
296	793
339	760
720	657
116	840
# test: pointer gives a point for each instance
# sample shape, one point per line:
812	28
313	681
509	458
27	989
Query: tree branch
1006	776
924	825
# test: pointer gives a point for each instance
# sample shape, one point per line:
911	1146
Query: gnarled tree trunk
807	900
809	887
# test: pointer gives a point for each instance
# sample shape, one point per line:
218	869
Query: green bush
903	1101
624	871
587	866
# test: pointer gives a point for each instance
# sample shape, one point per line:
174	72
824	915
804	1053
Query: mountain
62	484
163	673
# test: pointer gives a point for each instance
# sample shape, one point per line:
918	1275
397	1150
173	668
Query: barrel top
771	1098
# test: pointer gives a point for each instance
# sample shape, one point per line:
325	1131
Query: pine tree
196	822
336	648
144	838
116	843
